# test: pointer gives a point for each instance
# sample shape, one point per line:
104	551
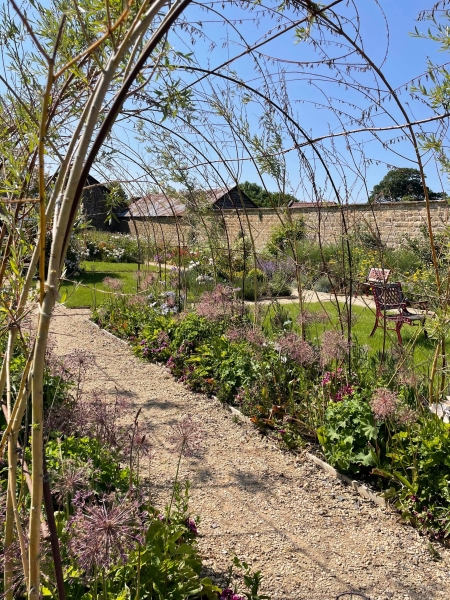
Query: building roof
161	205
155	205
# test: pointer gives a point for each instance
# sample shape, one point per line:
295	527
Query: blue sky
407	58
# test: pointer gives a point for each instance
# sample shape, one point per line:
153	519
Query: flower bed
370	420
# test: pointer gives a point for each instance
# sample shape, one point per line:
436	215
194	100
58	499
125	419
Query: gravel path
309	534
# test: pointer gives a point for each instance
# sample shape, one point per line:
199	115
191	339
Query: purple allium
217	304
307	317
334	347
187	437
101	417
79	361
137	300
102	535
235	334
249	334
294	347
73	477
112	283
384	403
406	416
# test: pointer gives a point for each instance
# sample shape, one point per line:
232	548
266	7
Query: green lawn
89	291
363	321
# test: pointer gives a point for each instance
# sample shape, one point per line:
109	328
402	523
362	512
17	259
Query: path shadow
161	404
254	481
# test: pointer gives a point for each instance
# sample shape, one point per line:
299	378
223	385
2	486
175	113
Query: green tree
263	198
402	183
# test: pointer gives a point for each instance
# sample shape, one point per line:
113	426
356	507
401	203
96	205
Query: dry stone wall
390	221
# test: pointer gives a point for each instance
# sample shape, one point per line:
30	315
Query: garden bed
311	536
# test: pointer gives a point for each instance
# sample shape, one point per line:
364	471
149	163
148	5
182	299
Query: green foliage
110	476
112	247
263	198
286	235
348	430
193	329
402	183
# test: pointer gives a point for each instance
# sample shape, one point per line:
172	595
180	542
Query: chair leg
399	336
374	327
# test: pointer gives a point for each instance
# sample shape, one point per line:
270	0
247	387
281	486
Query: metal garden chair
390	306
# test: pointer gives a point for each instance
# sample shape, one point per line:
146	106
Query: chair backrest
388	296
377	275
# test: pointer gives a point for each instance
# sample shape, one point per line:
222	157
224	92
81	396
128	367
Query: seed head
384	403
102	535
187	437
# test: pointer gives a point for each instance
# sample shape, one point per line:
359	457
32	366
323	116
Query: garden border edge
359	488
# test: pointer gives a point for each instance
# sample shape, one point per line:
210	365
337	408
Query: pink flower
112	283
384	403
294	347
334	347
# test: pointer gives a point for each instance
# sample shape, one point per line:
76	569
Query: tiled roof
160	205
155	205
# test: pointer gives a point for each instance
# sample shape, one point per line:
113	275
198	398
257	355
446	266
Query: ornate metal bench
390	306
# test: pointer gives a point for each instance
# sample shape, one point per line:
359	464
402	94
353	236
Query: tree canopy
263	198
399	184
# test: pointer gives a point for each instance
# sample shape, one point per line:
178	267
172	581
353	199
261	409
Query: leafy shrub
348	430
112	247
248	290
286	235
323	285
418	470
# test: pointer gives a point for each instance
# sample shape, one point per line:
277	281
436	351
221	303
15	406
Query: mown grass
363	319
87	289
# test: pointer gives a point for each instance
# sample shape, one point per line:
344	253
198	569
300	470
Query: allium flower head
406	416
217	304
112	283
103	534
307	317
384	403
251	335
187	437
293	346
137	300
79	360
72	478
334	347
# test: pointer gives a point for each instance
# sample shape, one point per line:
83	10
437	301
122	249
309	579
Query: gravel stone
311	536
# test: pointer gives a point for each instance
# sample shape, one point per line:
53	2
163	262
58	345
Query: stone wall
390	221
